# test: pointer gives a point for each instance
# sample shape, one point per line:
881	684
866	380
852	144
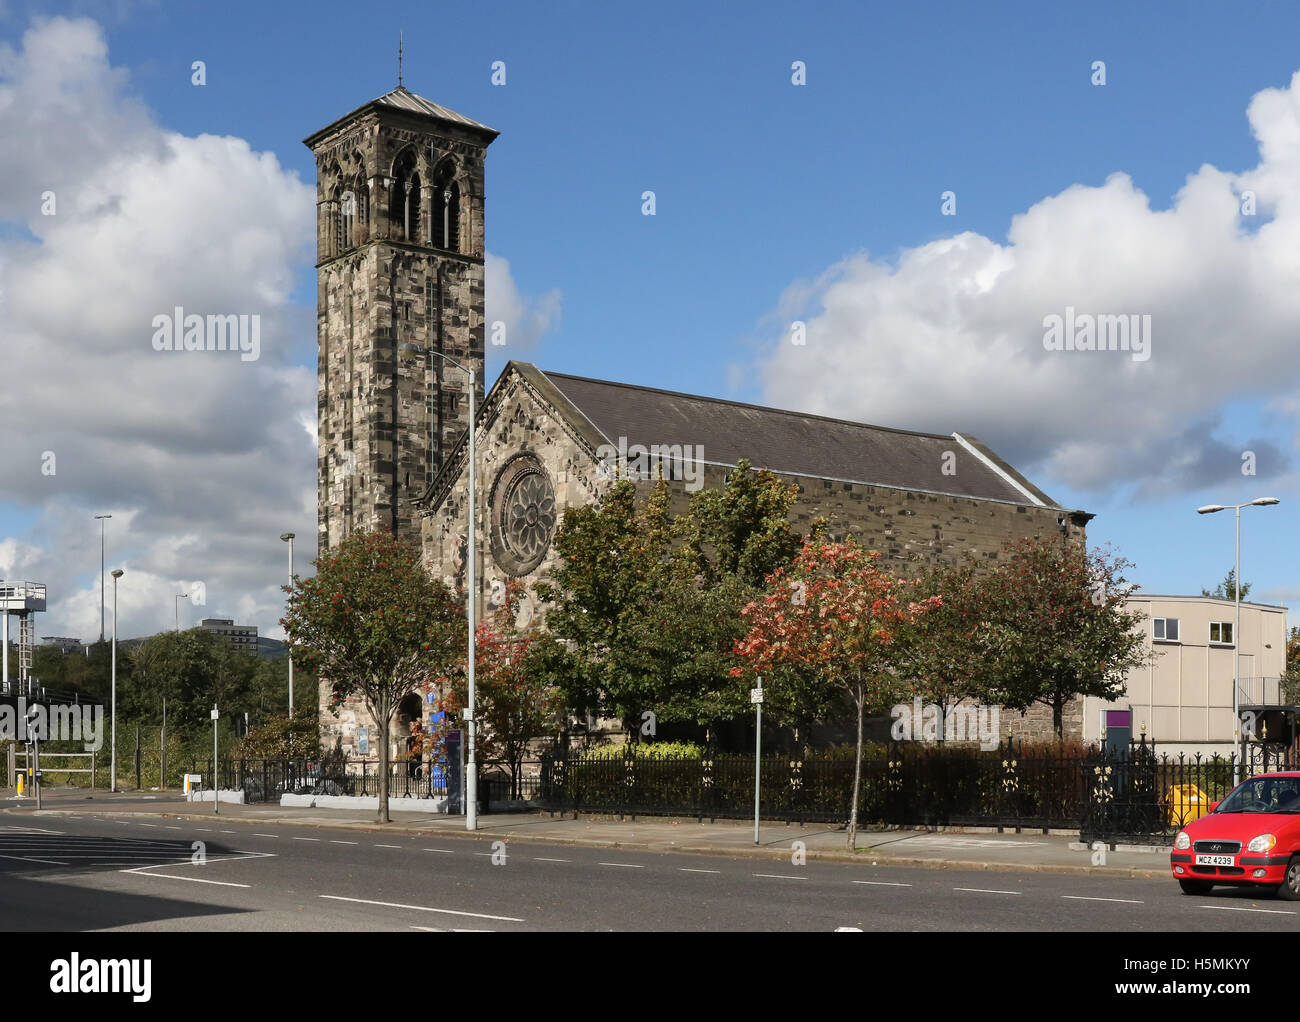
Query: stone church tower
399	236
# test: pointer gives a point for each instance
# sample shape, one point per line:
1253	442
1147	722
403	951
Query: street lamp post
117	573
1210	509
100	519
288	537
471	766
177	607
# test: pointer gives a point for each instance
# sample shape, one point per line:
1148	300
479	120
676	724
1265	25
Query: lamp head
1265	501
286	536
1209	509
116	573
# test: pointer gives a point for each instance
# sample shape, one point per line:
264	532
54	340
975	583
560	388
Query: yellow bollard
20	784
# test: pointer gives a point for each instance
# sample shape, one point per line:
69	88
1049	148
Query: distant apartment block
1184	698
241	638
65	644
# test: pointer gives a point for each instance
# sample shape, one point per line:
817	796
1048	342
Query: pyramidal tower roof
403	100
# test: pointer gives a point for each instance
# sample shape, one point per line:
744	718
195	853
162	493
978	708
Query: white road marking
1267	911
204	830
388	846
687	869
172	828
335	842
538	858
624	865
28	858
1122	901
149	825
880	883
778	876
225	832
266	835
306	839
445	851
193	880
422	908
982	890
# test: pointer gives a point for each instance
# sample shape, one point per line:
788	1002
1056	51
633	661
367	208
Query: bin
1186	803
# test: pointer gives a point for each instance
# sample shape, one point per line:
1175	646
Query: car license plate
1214	860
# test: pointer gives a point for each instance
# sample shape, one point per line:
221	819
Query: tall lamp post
288	537
1210	509
117	573
100	519
471	767
177	607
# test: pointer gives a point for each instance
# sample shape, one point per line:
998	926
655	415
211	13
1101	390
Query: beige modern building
1184	698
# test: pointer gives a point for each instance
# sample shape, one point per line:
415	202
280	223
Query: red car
1250	839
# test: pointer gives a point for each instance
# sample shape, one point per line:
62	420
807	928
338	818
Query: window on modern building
1165	629
1221	633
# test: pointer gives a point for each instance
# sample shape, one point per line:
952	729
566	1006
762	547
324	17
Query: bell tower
399	269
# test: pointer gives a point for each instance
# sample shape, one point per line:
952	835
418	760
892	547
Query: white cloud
203	459
951	336
526	319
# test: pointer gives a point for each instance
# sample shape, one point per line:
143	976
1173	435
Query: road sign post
756	697
215	799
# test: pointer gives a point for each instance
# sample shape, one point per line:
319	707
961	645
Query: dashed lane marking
984	890
422	908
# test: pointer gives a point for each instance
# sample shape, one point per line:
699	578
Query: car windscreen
1264	795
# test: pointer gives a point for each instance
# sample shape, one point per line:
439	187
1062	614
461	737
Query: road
85	872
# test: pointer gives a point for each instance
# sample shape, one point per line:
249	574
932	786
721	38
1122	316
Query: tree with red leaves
842	622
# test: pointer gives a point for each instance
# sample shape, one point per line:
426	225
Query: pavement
970	849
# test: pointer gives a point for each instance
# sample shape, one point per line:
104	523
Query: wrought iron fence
267	780
1137	794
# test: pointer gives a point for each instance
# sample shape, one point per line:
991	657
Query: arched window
404	204
446	207
352	212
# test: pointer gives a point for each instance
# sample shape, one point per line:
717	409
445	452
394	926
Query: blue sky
773	202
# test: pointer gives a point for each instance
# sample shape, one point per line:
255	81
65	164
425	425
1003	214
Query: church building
400	200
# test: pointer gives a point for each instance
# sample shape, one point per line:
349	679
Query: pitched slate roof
407	101
791	443
795	443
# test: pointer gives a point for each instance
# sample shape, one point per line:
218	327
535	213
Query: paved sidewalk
1054	853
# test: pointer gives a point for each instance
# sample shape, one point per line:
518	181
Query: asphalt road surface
64	873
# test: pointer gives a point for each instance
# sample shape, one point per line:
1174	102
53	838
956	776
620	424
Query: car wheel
1195	886
1290	889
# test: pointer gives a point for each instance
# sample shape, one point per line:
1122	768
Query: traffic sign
755	695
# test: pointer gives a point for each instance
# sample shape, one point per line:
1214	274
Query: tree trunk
857	777
383	724
1058	724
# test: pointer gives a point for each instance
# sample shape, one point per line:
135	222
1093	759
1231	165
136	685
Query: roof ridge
747	404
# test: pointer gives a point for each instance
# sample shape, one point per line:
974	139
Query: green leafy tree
1227	589
951	645
373	621
1058	626
282	737
648	605
1291	676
